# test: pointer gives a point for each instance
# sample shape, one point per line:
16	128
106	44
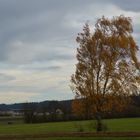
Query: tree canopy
107	71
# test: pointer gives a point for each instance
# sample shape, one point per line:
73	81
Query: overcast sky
38	48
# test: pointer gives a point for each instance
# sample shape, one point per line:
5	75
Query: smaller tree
107	72
29	110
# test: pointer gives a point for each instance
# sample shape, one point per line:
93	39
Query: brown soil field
72	134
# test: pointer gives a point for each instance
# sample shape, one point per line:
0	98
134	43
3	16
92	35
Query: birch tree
107	71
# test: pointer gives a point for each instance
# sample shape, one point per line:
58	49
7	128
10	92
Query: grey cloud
14	88
29	53
41	68
53	68
58	57
36	21
128	5
30	22
6	78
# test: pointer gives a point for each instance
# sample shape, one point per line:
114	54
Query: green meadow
114	125
125	124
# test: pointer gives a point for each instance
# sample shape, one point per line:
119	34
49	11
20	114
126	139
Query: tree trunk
99	126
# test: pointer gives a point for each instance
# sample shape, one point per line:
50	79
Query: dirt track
72	134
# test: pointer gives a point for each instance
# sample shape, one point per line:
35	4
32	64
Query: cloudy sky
37	44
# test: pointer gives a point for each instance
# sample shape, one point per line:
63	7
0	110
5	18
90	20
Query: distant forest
47	111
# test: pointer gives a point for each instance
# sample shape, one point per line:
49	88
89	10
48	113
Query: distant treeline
48	111
49	105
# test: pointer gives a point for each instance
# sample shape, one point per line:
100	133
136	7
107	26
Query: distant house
59	111
11	113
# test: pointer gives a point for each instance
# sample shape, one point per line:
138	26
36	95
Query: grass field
14	119
121	125
127	124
